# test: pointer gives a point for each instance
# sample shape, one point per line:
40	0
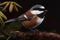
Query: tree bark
27	35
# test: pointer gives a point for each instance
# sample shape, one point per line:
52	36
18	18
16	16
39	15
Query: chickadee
32	18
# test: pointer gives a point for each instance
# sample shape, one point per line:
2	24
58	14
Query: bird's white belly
39	21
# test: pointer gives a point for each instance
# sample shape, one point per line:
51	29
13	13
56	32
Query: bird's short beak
45	10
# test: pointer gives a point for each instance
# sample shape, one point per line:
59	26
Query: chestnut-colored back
29	23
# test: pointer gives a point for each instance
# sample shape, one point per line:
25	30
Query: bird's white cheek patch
36	12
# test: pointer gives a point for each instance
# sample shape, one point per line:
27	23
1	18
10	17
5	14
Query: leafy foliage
12	5
2	15
2	24
14	26
7	29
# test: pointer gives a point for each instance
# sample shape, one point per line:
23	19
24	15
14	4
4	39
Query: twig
39	35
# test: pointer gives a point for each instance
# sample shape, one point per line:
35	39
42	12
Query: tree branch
38	35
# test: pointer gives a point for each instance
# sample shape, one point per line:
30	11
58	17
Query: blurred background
52	19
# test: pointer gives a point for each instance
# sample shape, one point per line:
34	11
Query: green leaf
2	15
1	23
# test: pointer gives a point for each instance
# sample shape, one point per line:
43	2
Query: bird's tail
11	20
20	18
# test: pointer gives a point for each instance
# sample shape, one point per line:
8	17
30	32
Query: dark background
52	19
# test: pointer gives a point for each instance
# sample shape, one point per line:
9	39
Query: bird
32	17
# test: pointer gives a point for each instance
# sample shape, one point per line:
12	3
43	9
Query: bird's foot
34	30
